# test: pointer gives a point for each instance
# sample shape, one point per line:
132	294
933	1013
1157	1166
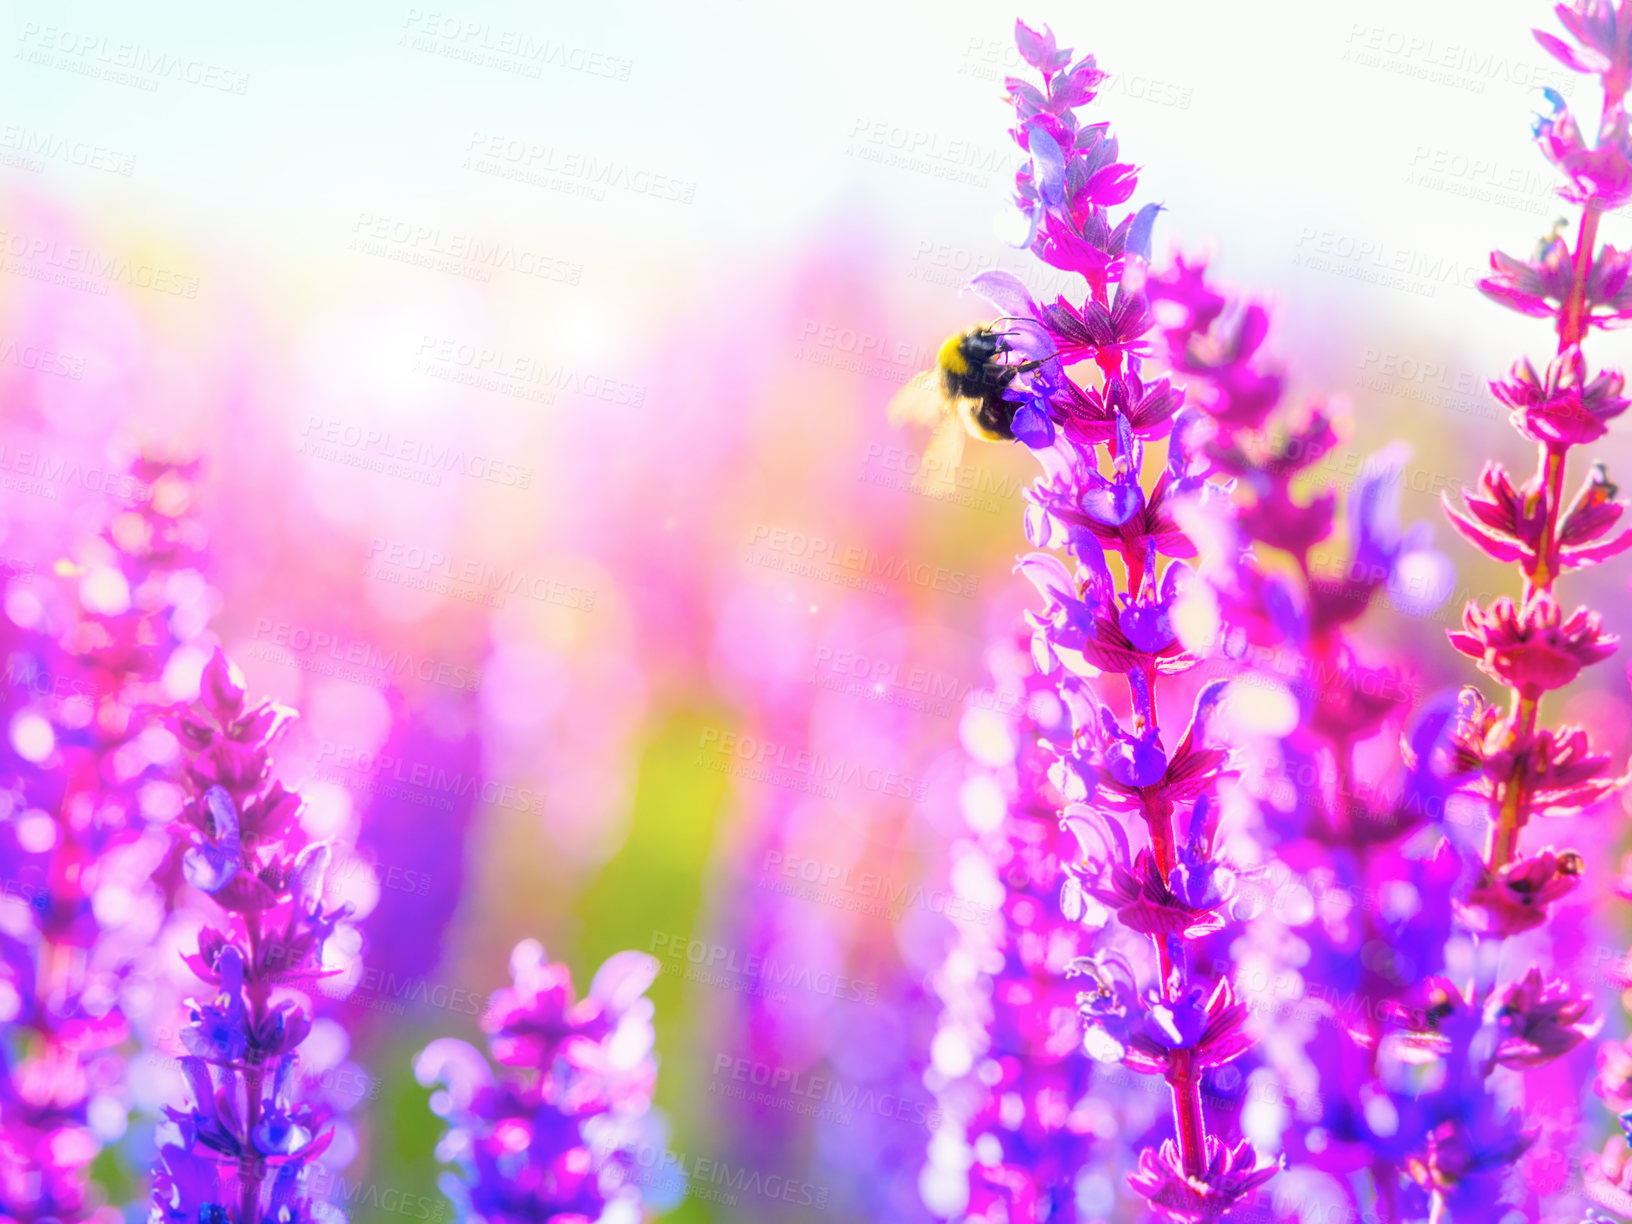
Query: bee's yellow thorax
951	356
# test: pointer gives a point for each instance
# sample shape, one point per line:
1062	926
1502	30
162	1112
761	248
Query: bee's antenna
1025	367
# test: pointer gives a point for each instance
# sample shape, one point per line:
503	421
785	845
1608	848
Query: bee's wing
920	402
937	476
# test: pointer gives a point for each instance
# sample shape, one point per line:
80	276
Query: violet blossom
86	655
821	1040
1027	1127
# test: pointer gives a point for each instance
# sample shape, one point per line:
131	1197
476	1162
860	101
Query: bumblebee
961	397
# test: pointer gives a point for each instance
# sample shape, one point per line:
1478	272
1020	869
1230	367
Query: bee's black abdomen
996	415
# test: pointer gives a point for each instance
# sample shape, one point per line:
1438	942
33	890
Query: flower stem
1573	322
1181	1077
1159	820
1510	817
1192	1130
1550	475
252	1168
1572	319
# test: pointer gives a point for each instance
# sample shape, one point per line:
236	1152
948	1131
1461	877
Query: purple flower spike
242	1151
1104	631
1039	50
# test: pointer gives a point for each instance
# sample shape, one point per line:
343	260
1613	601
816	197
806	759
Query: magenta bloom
1514	898
1561	406
560	1132
1507	522
1533	649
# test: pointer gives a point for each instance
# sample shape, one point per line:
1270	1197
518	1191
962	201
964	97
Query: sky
1385	140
